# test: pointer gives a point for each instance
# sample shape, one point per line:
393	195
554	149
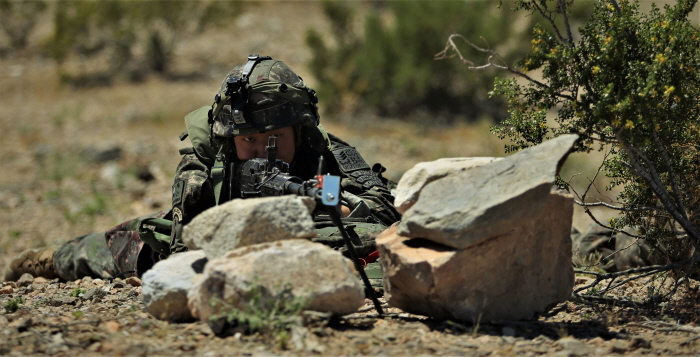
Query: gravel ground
94	316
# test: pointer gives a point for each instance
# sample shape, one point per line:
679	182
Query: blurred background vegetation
93	92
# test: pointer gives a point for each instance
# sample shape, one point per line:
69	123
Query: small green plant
77	314
77	291
594	290
13	305
263	313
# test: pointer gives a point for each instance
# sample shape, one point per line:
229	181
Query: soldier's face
253	146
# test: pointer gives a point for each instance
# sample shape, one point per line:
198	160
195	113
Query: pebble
133	281
573	346
25	280
7	290
508	331
99	282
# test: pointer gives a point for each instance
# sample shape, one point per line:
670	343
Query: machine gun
270	177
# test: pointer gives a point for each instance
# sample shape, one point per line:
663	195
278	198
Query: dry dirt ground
98	317
58	181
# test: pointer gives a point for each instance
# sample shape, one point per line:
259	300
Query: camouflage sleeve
192	191
378	198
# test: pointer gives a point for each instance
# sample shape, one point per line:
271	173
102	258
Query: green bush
13	305
628	84
18	18
135	37
389	67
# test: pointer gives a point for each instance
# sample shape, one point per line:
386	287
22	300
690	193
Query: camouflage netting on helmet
282	100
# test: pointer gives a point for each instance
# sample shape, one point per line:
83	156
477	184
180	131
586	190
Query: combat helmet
260	96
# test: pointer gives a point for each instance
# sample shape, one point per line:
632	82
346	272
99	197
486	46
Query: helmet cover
274	97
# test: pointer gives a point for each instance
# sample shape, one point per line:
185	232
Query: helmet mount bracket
236	89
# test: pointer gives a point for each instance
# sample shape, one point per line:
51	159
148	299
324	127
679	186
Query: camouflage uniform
608	250
134	246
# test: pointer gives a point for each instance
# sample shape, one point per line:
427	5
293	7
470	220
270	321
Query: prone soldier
257	100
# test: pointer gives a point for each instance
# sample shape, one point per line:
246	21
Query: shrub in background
629	83
18	18
132	38
389	67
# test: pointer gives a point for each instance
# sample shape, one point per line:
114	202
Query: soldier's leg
594	247
87	255
631	252
130	253
116	252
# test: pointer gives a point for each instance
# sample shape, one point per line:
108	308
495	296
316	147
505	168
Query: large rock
165	286
471	206
413	181
239	223
507	277
289	269
486	242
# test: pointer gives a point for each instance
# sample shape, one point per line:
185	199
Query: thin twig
665	326
493	54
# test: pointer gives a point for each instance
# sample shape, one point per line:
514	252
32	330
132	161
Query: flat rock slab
467	207
413	181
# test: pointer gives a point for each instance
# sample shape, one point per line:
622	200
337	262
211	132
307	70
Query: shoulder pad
199	130
186	151
349	159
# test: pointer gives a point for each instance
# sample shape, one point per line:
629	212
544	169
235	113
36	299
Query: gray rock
490	243
265	273
413	181
60	301
25	280
165	285
239	223
471	206
95	294
505	278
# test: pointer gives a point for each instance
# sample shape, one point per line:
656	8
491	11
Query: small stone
508	331
118	284
133	281
40	280
638	342
25	280
99	282
95	293
60	301
573	346
6	290
617	347
112	326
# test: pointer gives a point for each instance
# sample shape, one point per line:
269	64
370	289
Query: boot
38	262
